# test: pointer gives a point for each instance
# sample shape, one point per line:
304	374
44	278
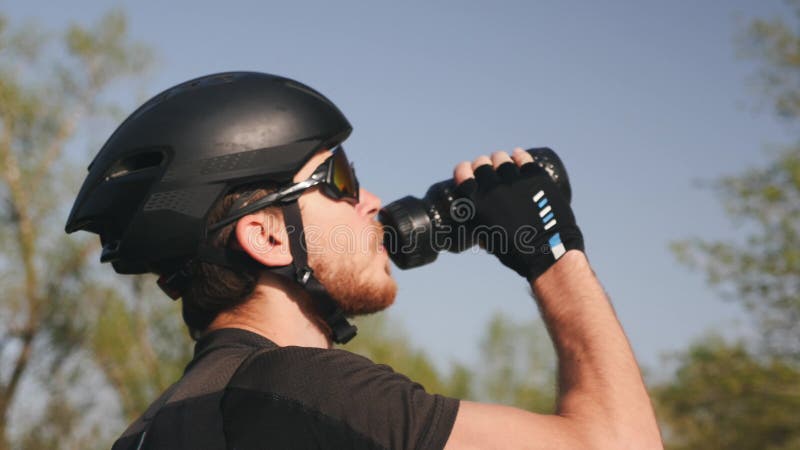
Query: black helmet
151	186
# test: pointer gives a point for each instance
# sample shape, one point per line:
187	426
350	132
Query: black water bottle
416	230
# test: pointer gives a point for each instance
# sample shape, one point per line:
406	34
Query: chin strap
341	330
298	271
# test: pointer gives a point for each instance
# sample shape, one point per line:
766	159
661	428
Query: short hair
213	288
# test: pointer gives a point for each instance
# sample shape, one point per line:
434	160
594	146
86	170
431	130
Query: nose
368	203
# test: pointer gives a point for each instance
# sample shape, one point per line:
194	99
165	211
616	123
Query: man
235	189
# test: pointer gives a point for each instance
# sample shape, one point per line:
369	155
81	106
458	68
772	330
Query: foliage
776	45
727	396
385	342
516	363
724	397
61	321
763	272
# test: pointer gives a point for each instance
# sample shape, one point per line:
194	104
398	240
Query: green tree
724	397
745	395
776	45
517	363
61	324
385	342
763	270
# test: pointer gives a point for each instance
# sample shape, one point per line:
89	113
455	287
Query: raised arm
602	401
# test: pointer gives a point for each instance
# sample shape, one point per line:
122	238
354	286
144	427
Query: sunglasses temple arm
289	194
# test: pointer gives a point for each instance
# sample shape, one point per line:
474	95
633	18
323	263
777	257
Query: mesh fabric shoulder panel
298	397
190	418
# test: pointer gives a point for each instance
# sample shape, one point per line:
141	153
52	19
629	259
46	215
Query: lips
377	236
387	268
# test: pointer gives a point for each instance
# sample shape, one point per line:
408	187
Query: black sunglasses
336	178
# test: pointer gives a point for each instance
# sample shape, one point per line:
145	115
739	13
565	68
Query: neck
280	313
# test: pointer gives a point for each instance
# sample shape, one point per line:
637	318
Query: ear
263	236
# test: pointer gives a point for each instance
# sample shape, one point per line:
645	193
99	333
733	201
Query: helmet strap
341	330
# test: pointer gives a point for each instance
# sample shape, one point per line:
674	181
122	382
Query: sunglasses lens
344	179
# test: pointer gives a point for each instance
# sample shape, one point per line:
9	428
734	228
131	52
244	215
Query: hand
521	216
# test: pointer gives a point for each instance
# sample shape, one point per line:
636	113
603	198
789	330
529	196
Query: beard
352	288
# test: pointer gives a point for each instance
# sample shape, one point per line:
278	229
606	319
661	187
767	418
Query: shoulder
269	368
324	379
336	386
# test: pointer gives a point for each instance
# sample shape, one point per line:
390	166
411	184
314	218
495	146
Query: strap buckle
303	274
175	283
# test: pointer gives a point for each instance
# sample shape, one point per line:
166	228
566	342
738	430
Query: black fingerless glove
521	217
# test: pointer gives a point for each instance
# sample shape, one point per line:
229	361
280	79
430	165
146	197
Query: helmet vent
192	202
173	200
135	163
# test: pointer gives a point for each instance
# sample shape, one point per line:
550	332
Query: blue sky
642	99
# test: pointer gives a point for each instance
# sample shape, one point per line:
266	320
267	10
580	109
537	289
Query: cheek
342	241
339	240
335	228
315	239
316	227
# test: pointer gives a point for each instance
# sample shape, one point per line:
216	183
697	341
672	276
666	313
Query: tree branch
56	146
20	365
26	238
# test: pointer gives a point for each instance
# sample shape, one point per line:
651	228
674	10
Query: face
345	246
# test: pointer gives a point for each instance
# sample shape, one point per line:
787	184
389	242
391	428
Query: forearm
599	380
602	401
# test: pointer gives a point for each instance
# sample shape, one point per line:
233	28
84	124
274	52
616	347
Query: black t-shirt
289	398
